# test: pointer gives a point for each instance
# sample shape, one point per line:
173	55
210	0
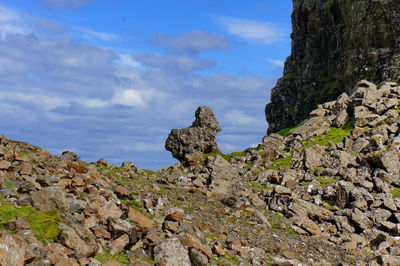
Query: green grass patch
10	186
280	164
334	135
232	259
286	131
304	183
230	220
326	181
44	225
328	204
149	172
188	208
395	192
106	256
274	218
262	153
256	184
133	204
227	157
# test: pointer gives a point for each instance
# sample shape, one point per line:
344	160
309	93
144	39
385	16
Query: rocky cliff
335	43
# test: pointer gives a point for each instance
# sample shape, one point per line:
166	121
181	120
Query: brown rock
139	219
67	262
256	201
18	224
121	191
191	241
13	250
25	169
177	216
101	232
81	240
171	226
119	244
4	165
105	209
56	251
76	167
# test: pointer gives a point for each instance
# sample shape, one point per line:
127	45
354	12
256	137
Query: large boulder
188	144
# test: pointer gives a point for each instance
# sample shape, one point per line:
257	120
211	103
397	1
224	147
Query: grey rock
222	175
360	219
50	199
313	127
197	257
313	156
172	253
388	160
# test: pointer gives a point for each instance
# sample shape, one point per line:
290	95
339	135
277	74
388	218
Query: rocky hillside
326	192
335	43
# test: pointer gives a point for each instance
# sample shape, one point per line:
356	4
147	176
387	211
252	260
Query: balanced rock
188	144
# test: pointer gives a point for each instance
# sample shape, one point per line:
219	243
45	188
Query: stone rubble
319	195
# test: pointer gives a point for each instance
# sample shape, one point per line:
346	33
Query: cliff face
335	43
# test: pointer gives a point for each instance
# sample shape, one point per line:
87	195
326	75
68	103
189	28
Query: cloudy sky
111	78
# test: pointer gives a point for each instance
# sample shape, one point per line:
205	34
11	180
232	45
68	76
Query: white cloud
44	101
149	147
126	60
12	22
174	63
92	34
233	83
275	62
193	41
252	30
239	118
130	98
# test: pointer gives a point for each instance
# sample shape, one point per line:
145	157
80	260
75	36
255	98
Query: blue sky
110	78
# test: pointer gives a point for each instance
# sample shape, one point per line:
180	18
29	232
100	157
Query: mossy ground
395	192
334	135
280	164
106	256
326	181
286	131
43	224
227	157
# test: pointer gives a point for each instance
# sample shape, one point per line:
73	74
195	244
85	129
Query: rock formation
335	43
188	144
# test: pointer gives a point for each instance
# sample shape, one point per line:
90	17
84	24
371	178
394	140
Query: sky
110	78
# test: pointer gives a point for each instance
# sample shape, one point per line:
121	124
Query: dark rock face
335	43
189	143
